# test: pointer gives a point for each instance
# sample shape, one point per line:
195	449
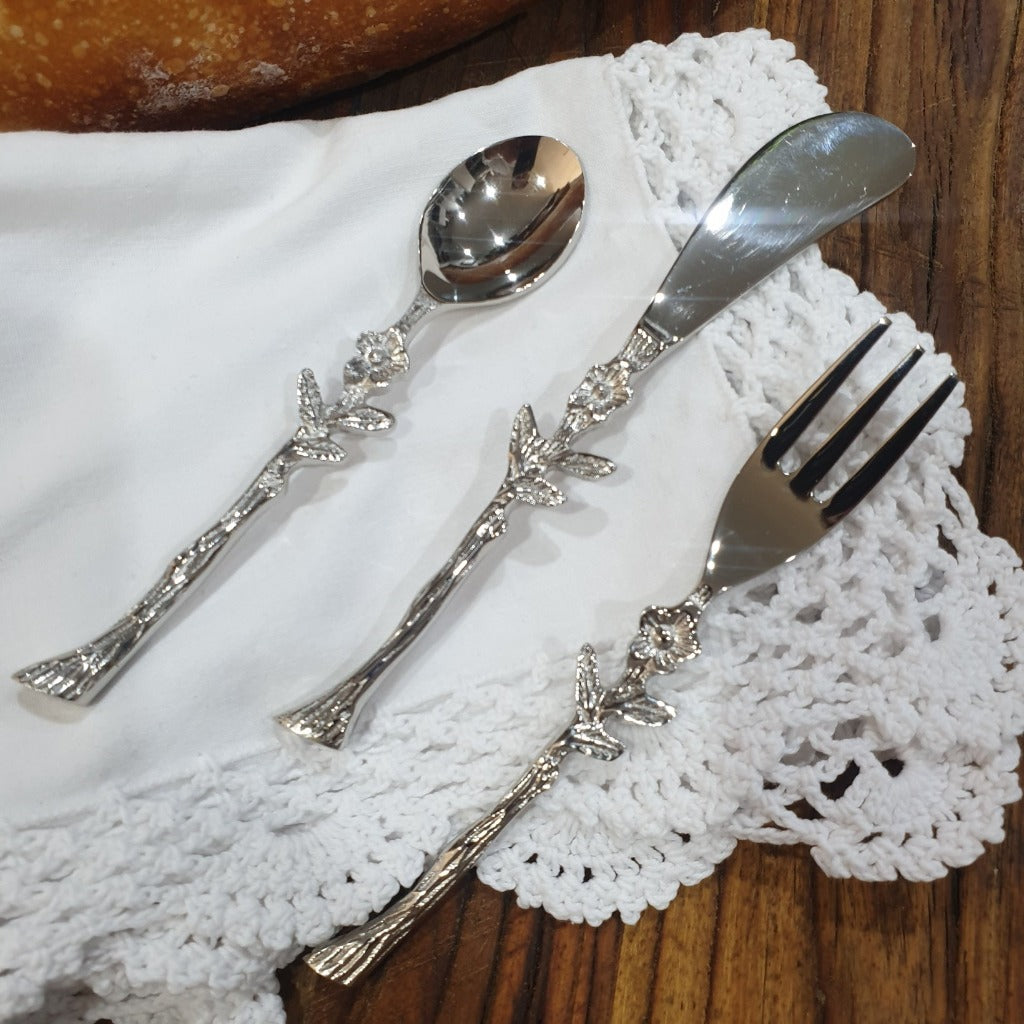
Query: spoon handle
349	957
81	674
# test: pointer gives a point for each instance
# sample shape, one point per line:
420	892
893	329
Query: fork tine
857	487
815	468
793	424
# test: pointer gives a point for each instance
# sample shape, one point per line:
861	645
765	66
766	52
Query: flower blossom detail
604	389
667	638
381	356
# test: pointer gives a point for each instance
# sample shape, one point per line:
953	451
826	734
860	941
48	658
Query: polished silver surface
805	182
768	516
766	519
347	959
501	220
809	179
498	225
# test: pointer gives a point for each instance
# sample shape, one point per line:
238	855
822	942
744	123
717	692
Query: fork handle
347	959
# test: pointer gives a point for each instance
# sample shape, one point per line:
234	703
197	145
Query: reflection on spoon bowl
501	220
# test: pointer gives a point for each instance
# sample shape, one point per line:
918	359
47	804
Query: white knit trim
864	701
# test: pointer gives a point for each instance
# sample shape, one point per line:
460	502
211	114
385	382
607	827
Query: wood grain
769	938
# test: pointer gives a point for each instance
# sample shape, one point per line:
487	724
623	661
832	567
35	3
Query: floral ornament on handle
668	636
81	673
381	356
606	387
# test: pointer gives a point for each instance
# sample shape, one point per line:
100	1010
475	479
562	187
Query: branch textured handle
666	638
81	674
327	718
347	959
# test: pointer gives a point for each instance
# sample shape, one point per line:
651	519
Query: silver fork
767	518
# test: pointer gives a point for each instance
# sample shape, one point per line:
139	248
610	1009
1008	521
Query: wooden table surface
768	937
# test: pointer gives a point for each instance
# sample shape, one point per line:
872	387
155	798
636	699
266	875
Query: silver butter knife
808	180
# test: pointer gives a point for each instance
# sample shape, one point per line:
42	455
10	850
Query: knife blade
808	180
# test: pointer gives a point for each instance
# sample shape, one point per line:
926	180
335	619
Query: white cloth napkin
162	293
160	852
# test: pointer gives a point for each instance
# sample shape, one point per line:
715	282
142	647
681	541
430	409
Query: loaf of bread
90	65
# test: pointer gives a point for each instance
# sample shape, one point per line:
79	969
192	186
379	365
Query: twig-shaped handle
327	718
81	674
348	958
666	638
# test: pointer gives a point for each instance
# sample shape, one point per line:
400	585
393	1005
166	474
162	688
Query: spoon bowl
501	220
497	225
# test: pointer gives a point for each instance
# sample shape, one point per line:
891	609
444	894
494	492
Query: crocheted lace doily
864	701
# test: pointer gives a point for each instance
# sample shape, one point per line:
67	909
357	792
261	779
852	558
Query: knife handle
82	674
327	718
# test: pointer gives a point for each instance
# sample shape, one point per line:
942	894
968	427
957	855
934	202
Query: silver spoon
497	225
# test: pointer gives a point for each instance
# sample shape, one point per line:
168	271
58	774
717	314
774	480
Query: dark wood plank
765	939
768	937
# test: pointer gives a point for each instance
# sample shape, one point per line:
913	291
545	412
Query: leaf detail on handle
537	491
527	447
319	449
589	691
646	710
588	467
531	455
590	738
588	734
364	418
311	403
